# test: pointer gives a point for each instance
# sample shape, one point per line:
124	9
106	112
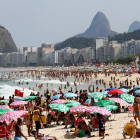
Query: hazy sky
33	22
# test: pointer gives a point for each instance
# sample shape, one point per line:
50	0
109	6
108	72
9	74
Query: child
101	125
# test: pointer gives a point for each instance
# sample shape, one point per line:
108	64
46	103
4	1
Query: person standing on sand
18	132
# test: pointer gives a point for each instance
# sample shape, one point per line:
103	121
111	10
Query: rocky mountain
100	27
134	26
6	42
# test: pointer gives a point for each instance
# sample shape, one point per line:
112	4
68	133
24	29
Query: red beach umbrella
115	91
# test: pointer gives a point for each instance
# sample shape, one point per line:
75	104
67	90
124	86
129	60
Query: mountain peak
6	42
100	27
134	26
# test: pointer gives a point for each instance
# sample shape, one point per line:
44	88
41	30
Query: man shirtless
136	100
137	108
18	132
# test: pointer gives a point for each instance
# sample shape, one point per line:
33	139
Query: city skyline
33	22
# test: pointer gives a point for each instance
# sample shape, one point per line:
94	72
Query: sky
33	22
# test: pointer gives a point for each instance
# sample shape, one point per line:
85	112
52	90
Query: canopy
118	100
115	91
78	108
59	107
128	98
18	103
97	95
30	98
97	109
104	103
59	101
57	96
110	107
70	95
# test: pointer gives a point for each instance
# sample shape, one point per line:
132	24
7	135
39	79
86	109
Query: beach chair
130	110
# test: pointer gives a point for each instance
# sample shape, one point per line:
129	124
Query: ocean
7	87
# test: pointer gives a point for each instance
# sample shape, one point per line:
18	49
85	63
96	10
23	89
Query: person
18	132
131	124
38	136
101	125
70	120
80	132
79	120
29	122
86	129
137	105
136	100
36	119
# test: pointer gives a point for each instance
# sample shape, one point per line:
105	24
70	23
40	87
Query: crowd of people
79	124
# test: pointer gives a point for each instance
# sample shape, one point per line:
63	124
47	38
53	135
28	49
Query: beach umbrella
18	99
88	101
137	86
105	93
30	98
128	98
108	89
110	107
72	103
10	116
96	95
70	95
115	91
18	103
3	111
126	87
97	109
4	101
124	90
78	108
57	96
104	103
4	107
59	107
118	100
59	101
137	92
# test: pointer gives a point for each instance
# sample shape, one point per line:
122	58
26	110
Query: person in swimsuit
18	132
29	122
136	100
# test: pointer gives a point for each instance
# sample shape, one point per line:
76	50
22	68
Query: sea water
7	87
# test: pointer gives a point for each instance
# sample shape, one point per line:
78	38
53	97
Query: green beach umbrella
59	107
4	101
30	98
96	95
3	111
104	103
72	103
128	98
110	107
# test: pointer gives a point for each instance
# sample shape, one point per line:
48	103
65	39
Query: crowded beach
108	108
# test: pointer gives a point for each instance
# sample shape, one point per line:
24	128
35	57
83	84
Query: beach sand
113	128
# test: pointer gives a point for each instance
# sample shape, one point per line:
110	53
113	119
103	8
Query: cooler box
42	119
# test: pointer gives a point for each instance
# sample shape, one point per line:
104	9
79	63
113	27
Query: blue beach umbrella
124	90
105	93
70	95
137	92
108	89
57	96
137	87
